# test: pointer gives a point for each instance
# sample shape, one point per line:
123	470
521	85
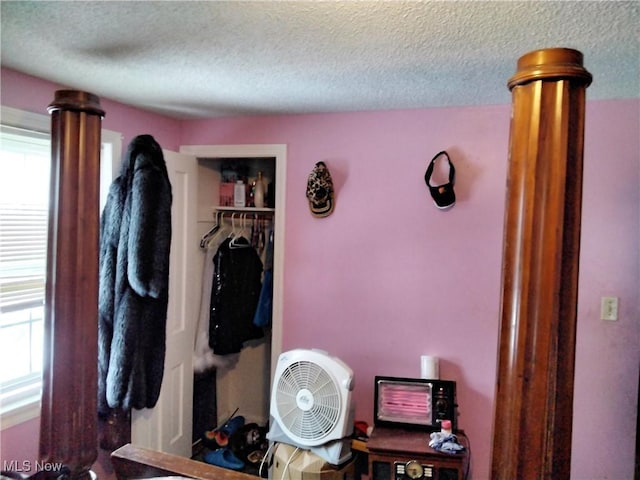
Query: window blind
23	256
24	162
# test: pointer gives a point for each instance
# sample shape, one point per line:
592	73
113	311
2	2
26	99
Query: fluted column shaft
534	395
68	429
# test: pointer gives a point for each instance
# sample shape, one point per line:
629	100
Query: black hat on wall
443	195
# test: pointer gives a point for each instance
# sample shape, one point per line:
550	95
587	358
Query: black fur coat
135	240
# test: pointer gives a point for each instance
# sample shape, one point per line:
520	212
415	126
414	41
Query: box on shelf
226	194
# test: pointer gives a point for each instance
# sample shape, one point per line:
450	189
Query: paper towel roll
429	367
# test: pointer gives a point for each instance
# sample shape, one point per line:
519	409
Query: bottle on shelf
239	194
259	192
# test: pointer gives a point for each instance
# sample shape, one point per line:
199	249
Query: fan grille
307	418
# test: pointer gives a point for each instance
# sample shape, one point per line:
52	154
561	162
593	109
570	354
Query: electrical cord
286	466
264	458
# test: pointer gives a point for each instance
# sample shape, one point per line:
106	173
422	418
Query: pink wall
608	353
34	95
20	443
388	277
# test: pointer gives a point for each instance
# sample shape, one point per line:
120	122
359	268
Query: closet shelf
243	209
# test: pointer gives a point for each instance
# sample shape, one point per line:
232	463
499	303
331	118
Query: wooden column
534	396
68	428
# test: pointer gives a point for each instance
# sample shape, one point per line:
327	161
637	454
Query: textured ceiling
214	58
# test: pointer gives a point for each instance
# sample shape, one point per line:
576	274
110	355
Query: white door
167	427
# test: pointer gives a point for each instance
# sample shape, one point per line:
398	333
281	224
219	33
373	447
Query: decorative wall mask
320	191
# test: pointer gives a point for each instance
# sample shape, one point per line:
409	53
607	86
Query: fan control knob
348	383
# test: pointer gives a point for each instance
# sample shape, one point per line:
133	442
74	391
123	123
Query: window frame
22	402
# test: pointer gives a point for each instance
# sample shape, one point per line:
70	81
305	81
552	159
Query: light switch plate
609	308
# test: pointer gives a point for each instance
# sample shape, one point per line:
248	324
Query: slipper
255	457
232	425
209	439
223	457
248	440
443	195
220	437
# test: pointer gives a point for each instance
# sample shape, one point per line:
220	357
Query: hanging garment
234	296
264	310
203	357
135	240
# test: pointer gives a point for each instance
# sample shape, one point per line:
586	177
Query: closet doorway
168	426
241	386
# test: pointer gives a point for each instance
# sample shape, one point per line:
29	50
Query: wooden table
392	450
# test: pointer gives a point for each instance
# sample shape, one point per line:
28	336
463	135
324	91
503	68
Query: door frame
279	152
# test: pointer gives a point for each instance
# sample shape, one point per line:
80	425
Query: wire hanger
239	240
207	236
232	233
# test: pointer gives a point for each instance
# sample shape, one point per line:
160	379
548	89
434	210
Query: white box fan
311	405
